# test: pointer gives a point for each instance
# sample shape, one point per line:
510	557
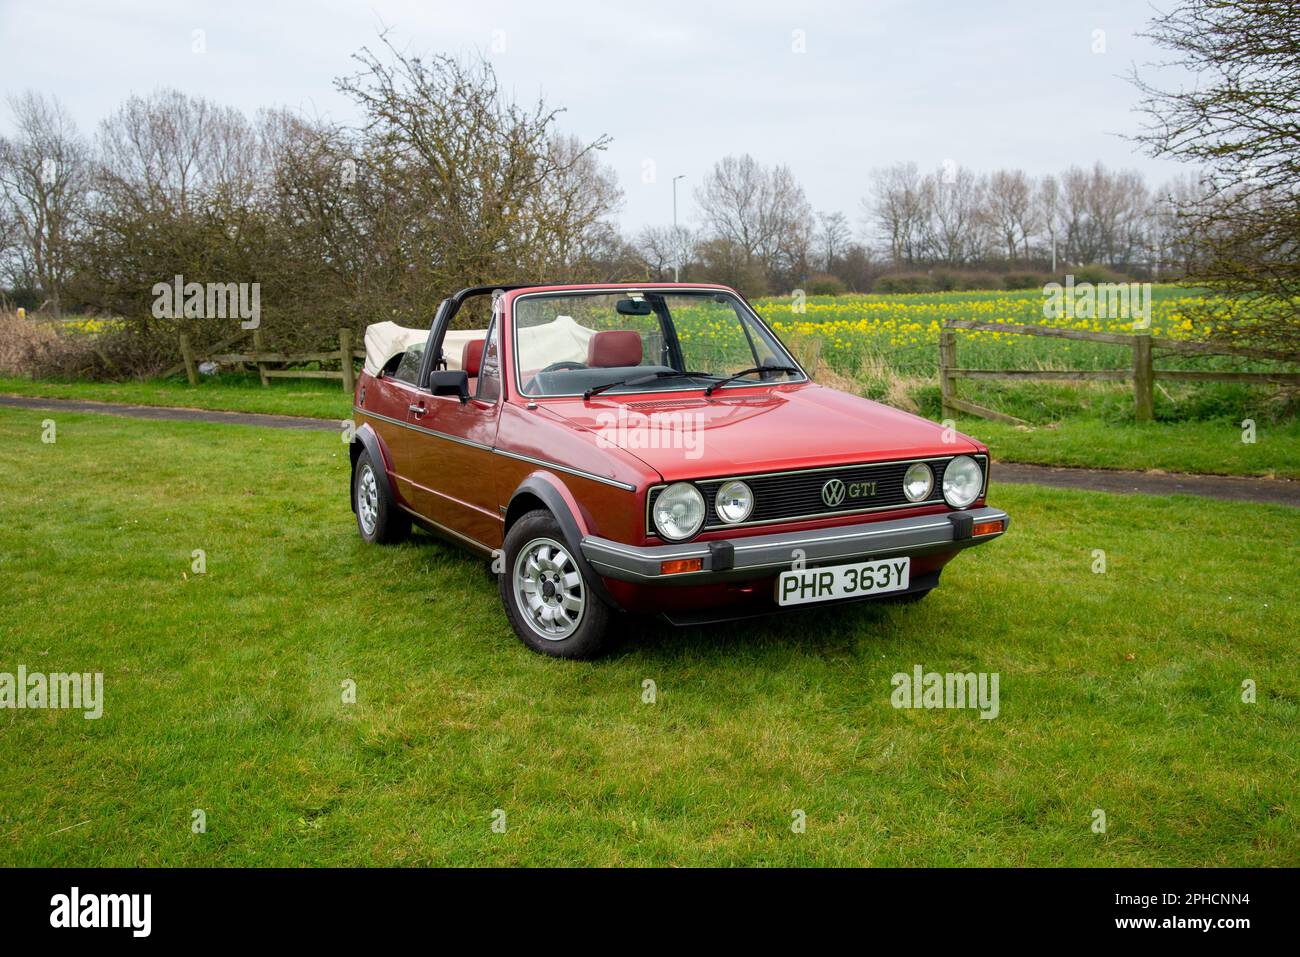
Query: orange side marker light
680	565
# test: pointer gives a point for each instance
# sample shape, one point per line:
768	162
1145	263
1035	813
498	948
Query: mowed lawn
1119	692
311	398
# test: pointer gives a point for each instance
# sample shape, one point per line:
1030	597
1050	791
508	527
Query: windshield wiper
744	372
642	380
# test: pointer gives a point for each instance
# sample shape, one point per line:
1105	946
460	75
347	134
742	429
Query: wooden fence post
947	362
187	353
345	354
258	347
1143	379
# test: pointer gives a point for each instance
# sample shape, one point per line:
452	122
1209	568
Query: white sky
679	85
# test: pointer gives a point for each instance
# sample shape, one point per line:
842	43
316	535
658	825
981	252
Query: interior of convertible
627	341
570	343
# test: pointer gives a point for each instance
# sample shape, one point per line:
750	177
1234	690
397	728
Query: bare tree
570	215
1011	211
897	210
662	248
833	235
956	224
480	186
1103	215
179	187
1048	211
171	151
1171	240
761	212
43	179
1240	119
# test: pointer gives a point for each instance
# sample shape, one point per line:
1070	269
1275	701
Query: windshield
569	343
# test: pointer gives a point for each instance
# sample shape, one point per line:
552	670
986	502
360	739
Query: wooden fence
263	359
1142	373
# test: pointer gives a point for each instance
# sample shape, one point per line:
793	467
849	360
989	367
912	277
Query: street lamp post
677	266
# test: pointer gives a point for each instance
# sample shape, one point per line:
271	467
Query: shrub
824	284
1025	280
980	280
952	280
1095	272
24	344
90	349
903	283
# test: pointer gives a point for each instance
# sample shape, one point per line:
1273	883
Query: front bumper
760	556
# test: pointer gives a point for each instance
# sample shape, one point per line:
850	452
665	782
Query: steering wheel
560	366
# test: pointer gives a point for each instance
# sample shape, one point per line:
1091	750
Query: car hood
765	429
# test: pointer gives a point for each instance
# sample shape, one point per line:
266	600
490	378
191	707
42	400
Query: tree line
759	232
445	182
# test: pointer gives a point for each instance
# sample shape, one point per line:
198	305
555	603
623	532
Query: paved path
1228	488
168	414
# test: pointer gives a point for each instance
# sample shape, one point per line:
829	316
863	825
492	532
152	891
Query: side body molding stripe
510	455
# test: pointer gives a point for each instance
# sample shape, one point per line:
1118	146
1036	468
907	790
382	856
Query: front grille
787	496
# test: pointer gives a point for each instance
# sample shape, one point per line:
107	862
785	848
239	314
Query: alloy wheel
548	589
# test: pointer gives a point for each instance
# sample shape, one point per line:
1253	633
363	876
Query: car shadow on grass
820	632
828	631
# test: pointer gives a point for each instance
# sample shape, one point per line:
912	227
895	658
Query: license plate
843	581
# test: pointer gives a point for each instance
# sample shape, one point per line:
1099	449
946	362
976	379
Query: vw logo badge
833	493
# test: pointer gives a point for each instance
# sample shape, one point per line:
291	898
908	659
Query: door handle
416	409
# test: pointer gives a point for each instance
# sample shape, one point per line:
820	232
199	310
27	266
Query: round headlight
679	511
734	502
918	482
962	481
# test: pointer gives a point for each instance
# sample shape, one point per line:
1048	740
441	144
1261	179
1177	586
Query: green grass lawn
1202	447
1119	691
227	393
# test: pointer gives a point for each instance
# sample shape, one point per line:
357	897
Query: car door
453	474
384	404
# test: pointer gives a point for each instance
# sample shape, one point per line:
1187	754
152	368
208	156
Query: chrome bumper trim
760	555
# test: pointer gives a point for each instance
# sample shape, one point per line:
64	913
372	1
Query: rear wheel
550	603
379	519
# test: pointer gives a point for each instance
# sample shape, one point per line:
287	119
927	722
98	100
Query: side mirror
450	382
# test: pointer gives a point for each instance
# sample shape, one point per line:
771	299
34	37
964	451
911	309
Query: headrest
615	347
472	357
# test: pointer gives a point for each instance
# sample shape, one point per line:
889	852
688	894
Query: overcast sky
677	85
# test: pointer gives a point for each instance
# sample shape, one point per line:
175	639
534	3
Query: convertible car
655	449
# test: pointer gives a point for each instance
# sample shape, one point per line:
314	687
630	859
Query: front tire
550	603
379	519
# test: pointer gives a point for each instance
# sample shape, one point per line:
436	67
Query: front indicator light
987	528
680	565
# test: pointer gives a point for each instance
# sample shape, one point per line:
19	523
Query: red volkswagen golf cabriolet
650	449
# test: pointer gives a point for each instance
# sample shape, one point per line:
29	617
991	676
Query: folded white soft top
559	340
387	339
